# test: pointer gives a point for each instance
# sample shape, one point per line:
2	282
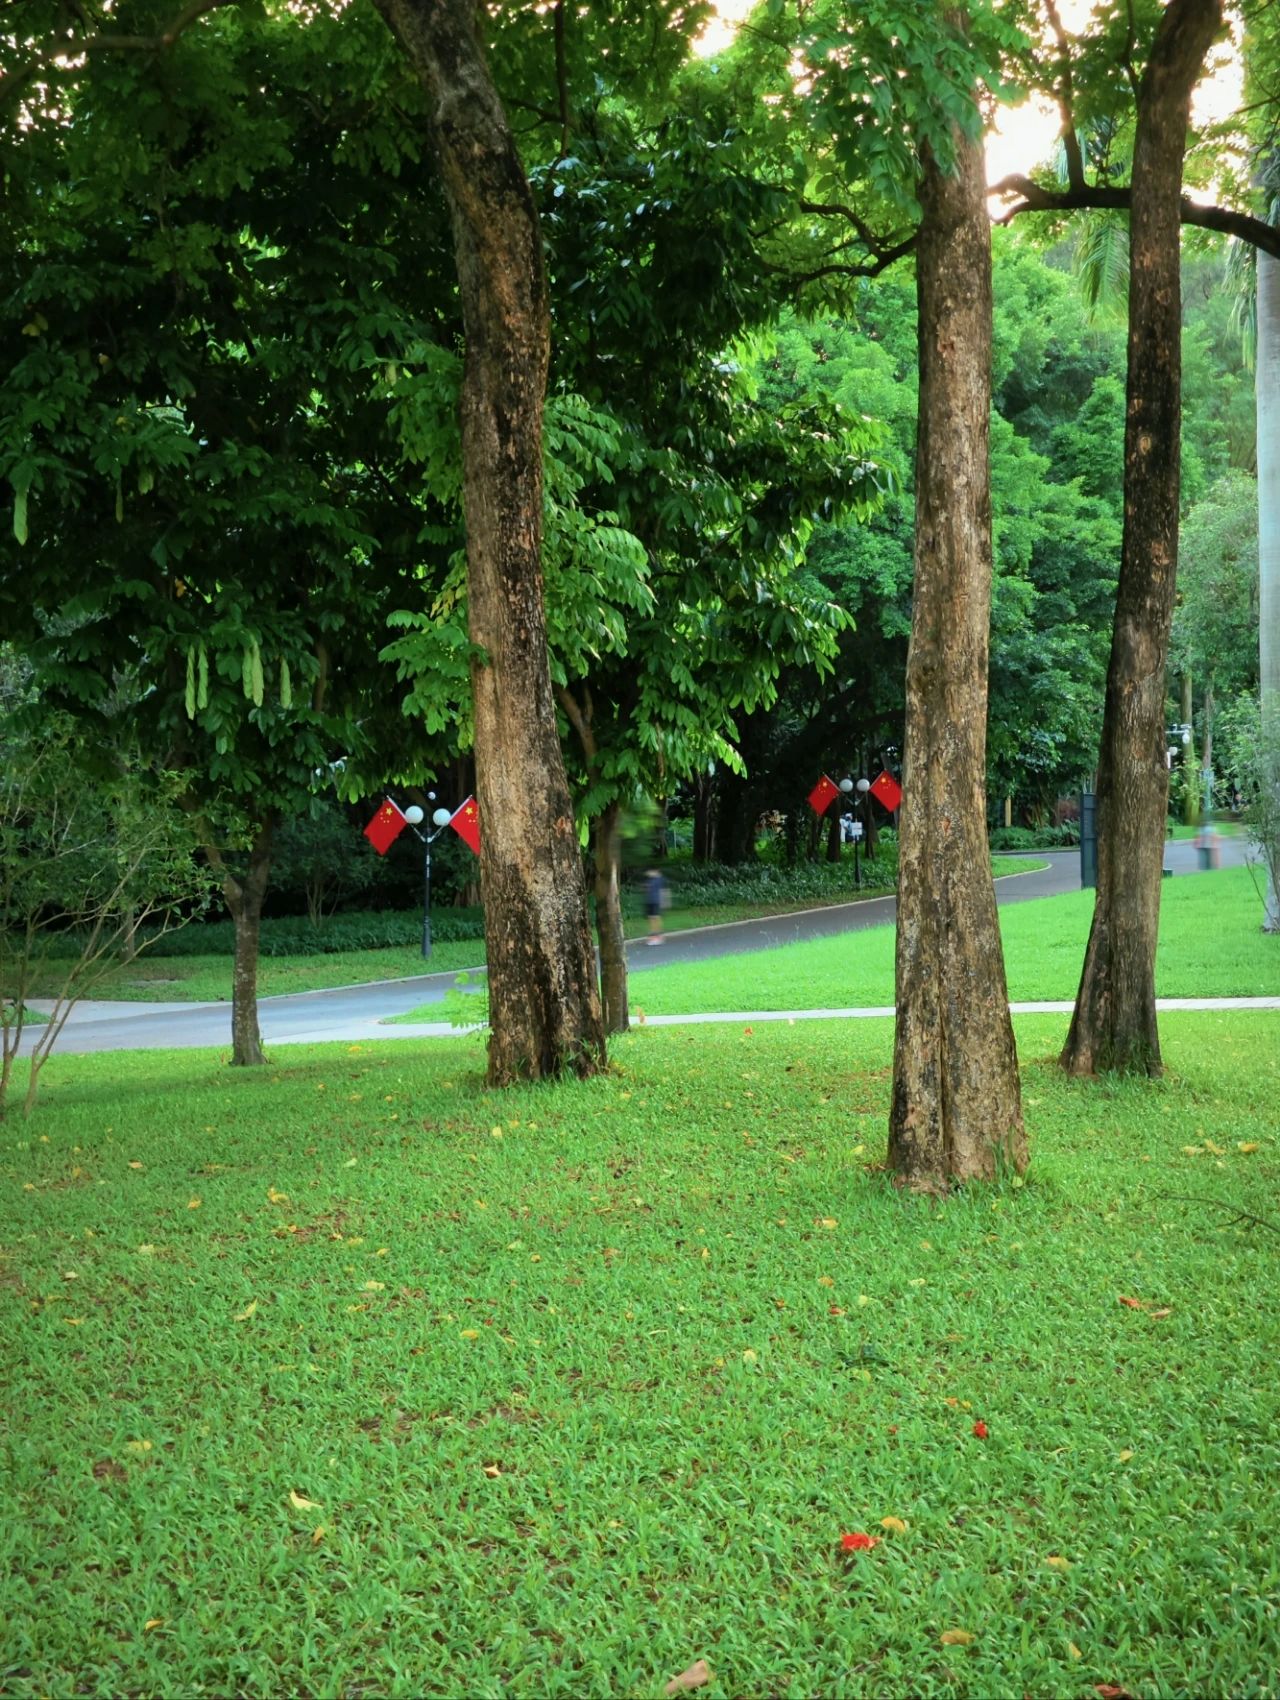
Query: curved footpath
358	1013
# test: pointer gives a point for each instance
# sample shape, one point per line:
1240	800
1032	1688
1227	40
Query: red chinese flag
887	791
466	823
385	827
823	795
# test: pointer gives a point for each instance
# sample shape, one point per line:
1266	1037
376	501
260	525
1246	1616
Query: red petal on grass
980	1429
859	1542
1133	1304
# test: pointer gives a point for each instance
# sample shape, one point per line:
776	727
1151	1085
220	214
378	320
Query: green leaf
20	515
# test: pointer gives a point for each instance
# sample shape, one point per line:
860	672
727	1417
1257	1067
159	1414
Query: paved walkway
359	1013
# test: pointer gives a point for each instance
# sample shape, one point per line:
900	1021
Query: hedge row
292	935
1035	838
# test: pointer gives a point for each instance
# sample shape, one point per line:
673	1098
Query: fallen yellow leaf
277	1197
247	1312
894	1525
469	1334
374	1286
152	1623
318	1534
300	1504
135	1165
138	1446
828	1222
748	1357
193	1204
1218	1150
1248	1145
495	1133
1193	1150
146	1251
957	1638
493	1471
826	1281
698	1673
1074	1650
1056	1560
1125	1456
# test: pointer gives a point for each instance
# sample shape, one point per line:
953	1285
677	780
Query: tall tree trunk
1268	401
606	843
244	894
1190	801
606	847
1114	1024
704	818
544	1002
956	1109
833	835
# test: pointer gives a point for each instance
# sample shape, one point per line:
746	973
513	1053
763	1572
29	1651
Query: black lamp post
862	787
440	819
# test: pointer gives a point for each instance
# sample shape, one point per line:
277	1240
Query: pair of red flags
885	790
389	822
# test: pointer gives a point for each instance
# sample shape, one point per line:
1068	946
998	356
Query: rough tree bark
1114	1024
244	893
956	1111
544	1004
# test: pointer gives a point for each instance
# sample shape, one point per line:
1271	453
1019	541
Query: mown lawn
1211	945
349	1377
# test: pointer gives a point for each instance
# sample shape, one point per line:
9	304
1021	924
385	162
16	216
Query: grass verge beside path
1211	945
207	979
350	1376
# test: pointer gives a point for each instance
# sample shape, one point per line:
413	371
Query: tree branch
1036	198
1066	102
57	48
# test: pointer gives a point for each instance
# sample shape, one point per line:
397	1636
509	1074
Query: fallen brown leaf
698	1673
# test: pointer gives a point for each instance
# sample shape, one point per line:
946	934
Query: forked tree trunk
606	844
956	1111
1114	1024
544	1003
244	894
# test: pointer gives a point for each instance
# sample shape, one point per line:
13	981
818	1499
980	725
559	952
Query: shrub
291	935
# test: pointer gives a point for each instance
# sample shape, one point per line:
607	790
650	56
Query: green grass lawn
207	979
1211	945
1224	829
349	1378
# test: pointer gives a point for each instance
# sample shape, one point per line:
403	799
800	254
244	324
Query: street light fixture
439	819
862	787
